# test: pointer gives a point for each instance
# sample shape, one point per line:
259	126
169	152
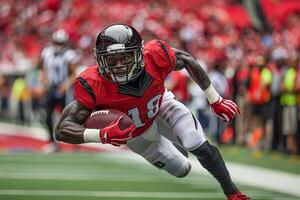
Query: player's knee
176	165
184	170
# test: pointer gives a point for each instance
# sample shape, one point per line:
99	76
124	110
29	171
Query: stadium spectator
4	96
298	101
21	96
240	95
288	100
267	122
259	96
278	58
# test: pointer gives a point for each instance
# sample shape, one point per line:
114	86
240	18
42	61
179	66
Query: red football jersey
141	104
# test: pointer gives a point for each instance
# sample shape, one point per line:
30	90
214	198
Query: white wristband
211	94
91	135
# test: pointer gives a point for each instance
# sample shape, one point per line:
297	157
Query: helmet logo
116	48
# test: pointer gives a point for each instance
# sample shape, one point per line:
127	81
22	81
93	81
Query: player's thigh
177	123
161	153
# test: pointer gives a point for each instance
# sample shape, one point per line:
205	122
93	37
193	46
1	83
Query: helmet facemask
120	64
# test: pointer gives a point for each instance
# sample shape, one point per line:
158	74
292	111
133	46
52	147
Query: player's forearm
69	127
198	74
70	132
185	60
74	133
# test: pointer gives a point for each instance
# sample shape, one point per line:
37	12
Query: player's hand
225	109
112	134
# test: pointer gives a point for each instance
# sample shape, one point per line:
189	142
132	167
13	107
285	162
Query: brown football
102	118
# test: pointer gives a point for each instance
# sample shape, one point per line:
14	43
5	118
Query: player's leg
160	152
50	104
185	130
175	114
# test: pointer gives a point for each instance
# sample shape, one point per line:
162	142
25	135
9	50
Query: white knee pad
168	158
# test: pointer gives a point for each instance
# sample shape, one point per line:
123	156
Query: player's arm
185	60
69	127
223	108
66	84
72	74
42	69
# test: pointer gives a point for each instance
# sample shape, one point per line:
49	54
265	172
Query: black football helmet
119	53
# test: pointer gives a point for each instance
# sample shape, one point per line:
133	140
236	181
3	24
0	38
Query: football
102	118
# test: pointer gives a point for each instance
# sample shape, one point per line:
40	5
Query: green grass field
273	160
91	176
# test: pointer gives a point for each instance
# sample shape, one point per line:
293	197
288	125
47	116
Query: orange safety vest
258	93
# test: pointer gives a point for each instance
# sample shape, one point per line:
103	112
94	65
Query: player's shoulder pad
160	52
90	73
85	86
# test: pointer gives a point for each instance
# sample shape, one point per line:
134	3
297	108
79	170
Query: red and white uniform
161	120
142	110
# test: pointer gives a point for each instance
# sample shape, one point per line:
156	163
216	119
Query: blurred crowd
255	64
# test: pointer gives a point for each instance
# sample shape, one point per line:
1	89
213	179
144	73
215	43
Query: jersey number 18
152	108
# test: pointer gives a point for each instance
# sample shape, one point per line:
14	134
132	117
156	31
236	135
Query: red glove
112	134
225	109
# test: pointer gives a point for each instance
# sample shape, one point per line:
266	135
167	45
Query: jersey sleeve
162	55
84	93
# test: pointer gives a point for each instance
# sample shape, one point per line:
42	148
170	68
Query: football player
130	77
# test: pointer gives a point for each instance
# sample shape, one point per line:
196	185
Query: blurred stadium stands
252	43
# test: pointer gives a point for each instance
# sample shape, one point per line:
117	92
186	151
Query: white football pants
174	124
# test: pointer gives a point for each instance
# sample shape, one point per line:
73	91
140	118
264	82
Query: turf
82	176
273	160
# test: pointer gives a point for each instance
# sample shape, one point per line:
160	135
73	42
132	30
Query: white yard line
249	175
269	179
266	178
